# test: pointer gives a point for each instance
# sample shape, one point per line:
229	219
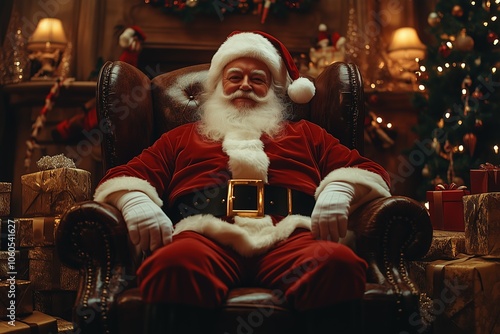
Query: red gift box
446	208
485	180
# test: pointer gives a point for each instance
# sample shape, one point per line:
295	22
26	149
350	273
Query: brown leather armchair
133	111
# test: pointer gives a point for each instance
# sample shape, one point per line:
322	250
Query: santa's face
245	80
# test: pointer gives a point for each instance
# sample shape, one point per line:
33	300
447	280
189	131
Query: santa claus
250	197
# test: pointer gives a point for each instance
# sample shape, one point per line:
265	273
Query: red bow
451	186
489	166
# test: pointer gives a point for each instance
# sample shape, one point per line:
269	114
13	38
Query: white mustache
247	95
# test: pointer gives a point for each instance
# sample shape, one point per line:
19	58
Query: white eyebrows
238	70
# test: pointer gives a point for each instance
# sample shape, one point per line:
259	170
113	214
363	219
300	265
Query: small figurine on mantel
329	48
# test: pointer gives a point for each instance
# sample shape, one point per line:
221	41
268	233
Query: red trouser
307	273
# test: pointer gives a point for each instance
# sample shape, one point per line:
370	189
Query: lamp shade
405	44
48	36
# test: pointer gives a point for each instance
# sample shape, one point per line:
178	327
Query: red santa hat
272	52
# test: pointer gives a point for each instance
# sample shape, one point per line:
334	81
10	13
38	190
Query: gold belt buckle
259	212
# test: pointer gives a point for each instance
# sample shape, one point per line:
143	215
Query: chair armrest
93	238
389	231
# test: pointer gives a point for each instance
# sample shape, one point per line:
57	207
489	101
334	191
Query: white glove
329	217
147	224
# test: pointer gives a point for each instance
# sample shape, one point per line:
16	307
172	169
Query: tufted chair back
134	110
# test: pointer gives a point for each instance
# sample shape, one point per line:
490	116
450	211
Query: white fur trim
247	44
247	236
367	185
128	183
126	38
247	159
301	90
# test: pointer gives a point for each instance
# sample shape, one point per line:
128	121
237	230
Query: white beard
219	117
240	130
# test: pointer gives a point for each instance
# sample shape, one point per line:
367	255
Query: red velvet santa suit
208	256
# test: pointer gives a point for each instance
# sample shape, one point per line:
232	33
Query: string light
495	149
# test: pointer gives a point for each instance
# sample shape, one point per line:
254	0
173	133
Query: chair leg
178	319
345	317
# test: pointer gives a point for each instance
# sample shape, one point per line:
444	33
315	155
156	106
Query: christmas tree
459	120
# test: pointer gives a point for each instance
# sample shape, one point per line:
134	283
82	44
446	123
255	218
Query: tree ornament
444	50
433	19
478	123
492	38
477	94
426	171
191	3
464	42
487	5
457	11
470	141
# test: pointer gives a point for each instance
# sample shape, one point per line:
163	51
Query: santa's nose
245	84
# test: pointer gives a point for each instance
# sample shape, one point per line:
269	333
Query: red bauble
470	141
492	38
444	50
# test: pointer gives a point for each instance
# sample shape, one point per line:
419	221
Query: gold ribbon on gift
49	181
490	170
437	198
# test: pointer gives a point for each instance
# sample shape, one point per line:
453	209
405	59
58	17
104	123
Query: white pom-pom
322	27
301	90
340	43
126	38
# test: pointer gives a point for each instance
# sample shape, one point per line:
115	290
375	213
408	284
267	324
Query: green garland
188	10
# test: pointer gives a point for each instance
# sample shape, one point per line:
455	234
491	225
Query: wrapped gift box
446	245
482	224
9	233
37	231
21	291
14	262
5	193
51	192
484	180
465	295
65	326
40	323
14	327
46	272
446	209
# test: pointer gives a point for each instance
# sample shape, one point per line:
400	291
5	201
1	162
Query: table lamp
406	50
46	46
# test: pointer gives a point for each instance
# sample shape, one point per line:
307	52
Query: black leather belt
242	197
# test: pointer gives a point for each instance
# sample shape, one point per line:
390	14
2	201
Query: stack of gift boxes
43	286
460	275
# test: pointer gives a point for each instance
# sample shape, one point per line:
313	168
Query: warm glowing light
462	65
460	148
379	120
485	24
494	70
447	65
493	18
389	125
449	44
464	91
440	69
426	204
495	148
422	68
447	115
421	87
